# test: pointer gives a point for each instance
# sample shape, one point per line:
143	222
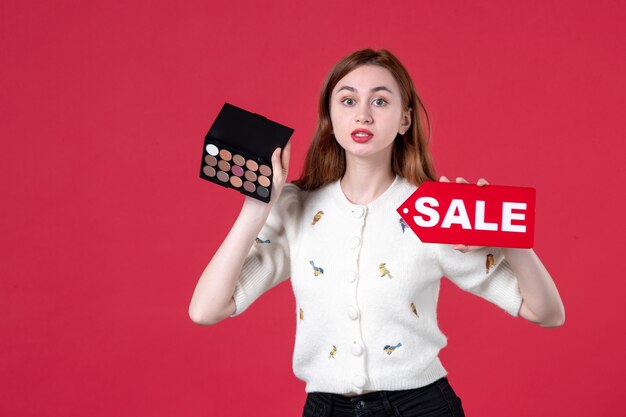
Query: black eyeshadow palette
238	151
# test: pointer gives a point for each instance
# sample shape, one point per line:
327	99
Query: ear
406	121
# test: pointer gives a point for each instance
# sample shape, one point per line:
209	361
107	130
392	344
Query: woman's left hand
460	180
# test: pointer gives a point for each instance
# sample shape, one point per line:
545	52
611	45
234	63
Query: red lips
361	135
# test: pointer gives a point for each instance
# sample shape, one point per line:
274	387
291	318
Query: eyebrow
373	90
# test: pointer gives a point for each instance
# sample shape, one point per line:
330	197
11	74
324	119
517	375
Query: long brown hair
410	158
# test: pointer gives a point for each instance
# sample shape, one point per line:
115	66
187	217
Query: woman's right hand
280	168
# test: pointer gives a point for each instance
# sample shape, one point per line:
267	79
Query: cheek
336	120
394	121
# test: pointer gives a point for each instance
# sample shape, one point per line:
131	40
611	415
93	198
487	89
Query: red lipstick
361	135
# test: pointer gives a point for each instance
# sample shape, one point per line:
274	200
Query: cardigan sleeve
483	272
268	262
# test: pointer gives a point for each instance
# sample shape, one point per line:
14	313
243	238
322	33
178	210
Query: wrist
254	210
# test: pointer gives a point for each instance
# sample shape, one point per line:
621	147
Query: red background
105	226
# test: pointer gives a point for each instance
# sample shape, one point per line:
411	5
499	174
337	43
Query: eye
379	102
348	101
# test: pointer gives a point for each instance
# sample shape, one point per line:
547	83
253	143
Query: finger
444	179
461	180
482	182
465	248
286	154
277	166
461	248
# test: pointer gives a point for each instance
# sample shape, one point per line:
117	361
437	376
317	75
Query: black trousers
436	399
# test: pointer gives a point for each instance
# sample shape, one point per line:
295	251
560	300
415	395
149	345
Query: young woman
366	288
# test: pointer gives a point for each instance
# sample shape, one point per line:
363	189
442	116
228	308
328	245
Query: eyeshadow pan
211	149
226	155
249	187
210	160
223	165
239	160
264	181
235	181
208	171
265	170
262	191
237	170
250	176
252	166
222	176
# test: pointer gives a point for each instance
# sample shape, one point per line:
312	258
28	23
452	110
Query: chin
365	153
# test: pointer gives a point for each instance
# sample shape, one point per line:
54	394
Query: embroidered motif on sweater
333	352
414	310
257	240
390	349
316	269
384	271
490	262
317	217
403	224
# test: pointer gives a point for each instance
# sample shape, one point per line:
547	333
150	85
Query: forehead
366	77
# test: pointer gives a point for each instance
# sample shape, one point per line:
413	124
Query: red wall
105	226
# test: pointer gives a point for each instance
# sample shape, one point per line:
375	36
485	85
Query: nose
364	115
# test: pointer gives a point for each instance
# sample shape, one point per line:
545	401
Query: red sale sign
492	215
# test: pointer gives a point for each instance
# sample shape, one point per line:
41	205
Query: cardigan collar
382	200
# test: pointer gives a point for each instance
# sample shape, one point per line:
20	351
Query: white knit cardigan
366	288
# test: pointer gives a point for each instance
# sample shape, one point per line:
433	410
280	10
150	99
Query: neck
366	180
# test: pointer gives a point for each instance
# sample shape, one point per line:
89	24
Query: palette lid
249	132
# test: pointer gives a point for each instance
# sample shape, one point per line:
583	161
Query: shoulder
291	189
289	201
292	194
402	190
405	187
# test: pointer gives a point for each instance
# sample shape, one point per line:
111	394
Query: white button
352	276
358	212
353	313
357	349
355	241
359	381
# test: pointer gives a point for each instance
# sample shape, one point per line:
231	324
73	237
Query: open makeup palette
238	151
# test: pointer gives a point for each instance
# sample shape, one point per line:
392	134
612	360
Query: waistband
371	400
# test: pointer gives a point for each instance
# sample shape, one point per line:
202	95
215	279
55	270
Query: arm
541	301
212	300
